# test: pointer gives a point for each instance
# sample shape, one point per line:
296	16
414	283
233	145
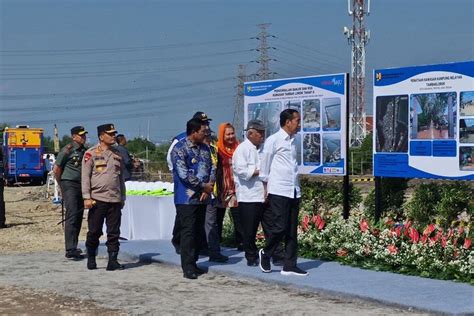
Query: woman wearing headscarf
226	145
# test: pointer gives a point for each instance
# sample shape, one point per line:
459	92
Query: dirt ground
36	278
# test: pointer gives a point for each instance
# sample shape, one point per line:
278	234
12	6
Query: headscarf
224	150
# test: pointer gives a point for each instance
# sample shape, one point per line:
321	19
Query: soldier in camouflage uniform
103	190
67	170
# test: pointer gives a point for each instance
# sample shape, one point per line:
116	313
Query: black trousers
192	228
112	213
284	212
2	204
235	214
212	230
251	215
74	204
175	240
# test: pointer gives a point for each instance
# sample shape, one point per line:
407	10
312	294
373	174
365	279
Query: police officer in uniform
67	170
103	190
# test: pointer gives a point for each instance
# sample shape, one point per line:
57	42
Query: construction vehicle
23	155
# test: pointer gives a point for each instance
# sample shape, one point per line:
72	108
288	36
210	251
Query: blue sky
140	62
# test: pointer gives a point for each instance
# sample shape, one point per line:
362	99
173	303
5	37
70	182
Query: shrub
392	195
441	203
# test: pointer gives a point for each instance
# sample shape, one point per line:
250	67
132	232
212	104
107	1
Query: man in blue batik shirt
194	177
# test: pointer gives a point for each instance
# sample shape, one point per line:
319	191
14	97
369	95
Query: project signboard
424	121
321	101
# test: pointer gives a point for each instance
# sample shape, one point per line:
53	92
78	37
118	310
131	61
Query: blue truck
23	155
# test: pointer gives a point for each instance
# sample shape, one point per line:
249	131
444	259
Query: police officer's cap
106	128
202	116
79	130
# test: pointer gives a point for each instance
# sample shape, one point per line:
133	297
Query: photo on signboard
267	112
331	148
466	130
331	109
391	126
298	147
311	115
433	115
466	108
466	158
295	105
312	149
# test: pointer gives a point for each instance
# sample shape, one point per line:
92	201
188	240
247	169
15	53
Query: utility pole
357	37
264	73
239	103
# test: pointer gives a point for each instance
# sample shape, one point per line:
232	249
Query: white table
147	218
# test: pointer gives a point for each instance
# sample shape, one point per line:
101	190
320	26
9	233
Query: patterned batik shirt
192	168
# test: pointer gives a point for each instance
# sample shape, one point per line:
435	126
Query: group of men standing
93	179
266	184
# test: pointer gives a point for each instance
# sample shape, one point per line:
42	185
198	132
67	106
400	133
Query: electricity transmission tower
357	37
264	73
239	103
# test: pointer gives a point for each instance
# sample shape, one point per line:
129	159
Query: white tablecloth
147	218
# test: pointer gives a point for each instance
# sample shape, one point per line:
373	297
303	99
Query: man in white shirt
279	170
249	188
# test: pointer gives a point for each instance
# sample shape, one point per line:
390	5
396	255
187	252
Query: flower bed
389	246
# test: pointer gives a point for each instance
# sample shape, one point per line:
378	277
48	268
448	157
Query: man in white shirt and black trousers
279	170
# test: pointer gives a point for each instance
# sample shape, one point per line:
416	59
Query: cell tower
239	103
358	37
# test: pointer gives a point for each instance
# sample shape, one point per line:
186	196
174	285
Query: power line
14	97
85	51
310	49
103	73
122	115
115	63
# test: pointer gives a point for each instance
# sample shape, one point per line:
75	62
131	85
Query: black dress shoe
199	271
75	254
190	275
218	258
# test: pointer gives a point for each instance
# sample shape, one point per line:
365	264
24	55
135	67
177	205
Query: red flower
319	222
407	228
450	233
398	231
392	249
305	223
364	226
341	252
424	239
414	235
443	242
467	243
389	222
376	232
429	229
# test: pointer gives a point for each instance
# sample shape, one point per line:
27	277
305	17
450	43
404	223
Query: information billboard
322	103
424	121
